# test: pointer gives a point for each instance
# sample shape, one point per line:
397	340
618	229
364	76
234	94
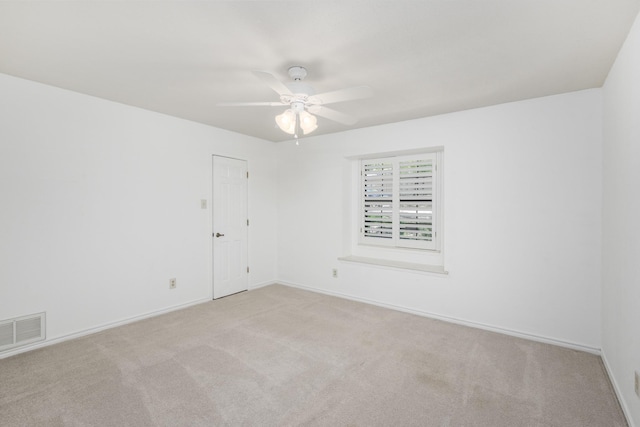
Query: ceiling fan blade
250	104
273	82
357	92
331	114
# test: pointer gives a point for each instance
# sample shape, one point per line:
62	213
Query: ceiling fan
303	102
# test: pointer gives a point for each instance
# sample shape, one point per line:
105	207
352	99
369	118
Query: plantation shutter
377	206
416	203
398	201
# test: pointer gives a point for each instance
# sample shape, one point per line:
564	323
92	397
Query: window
394	214
399	201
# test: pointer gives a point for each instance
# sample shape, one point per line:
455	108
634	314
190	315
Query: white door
230	268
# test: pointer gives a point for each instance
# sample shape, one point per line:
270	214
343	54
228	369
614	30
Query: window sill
437	269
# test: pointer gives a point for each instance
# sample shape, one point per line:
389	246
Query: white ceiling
420	57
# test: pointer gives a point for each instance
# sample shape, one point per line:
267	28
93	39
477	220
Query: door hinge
247	269
247	223
247	174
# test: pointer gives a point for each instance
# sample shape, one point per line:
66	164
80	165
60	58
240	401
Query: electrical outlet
637	383
334	273
172	283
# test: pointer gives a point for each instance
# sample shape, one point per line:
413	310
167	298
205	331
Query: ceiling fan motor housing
297	106
297	87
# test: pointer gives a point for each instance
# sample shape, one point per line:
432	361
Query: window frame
395	242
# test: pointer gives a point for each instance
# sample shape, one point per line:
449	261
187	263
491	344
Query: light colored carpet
279	356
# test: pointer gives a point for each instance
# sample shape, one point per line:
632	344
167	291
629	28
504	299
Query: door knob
219	235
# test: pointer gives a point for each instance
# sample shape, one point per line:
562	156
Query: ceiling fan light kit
287	122
297	118
301	98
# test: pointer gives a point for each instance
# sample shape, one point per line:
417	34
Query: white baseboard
518	334
99	328
261	285
462	322
110	325
616	389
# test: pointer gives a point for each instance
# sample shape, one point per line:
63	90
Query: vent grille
21	331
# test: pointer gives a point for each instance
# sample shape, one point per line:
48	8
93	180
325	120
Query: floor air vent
21	331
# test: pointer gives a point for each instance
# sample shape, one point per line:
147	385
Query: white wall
621	226
522	217
100	206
